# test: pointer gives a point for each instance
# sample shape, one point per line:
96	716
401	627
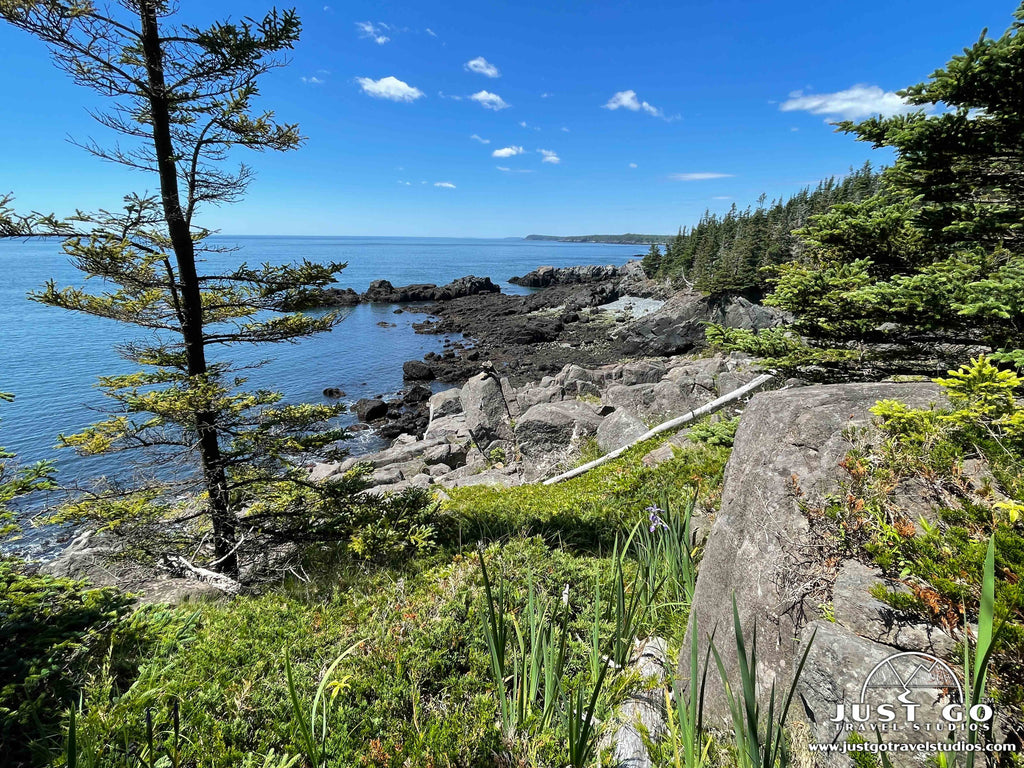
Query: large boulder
487	414
417	370
554	428
762	553
679	326
620	428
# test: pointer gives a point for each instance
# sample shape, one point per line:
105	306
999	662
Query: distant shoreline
627	239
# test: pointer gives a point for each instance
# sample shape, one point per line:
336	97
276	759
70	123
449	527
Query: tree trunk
214	476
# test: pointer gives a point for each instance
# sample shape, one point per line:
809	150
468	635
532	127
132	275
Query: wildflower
654	512
565	595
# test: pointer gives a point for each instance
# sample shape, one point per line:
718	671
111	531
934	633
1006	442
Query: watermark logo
912	691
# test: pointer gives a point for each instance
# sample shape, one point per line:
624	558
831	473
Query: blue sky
588	116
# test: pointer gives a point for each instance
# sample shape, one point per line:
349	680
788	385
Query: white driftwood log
679	421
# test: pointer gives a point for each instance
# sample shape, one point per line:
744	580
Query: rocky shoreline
590	316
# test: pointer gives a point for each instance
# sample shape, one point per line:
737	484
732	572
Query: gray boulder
553	428
446	403
487	414
760	549
621	428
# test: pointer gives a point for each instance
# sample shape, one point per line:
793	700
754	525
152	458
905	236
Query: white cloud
564	129
550	156
545	95
444	184
699	176
489	100
513	170
474	137
628	100
405	183
482	66
507	152
633	165
721	197
522	124
314	80
431	32
370	31
859	101
390	88
444	95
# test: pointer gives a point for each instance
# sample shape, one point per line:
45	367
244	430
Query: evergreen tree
652	261
183	97
931	268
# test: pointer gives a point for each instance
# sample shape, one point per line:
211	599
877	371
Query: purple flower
655	512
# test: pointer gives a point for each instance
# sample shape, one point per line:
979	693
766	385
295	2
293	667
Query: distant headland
626	239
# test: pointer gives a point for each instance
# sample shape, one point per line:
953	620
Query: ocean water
50	358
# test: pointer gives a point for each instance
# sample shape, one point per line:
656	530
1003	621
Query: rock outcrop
383	292
762	552
678	327
491	432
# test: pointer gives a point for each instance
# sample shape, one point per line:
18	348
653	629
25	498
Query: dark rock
383	292
416	395
333	392
588	273
679	326
417	370
385	324
368	409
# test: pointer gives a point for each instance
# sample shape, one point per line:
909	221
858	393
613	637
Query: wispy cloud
482	66
633	165
489	100
564	129
859	101
628	100
506	169
482	140
313	80
390	88
722	197
370	31
507	152
405	183
699	176
545	95
444	95
550	156
430	32
444	184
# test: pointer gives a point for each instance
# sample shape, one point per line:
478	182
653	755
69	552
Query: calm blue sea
50	358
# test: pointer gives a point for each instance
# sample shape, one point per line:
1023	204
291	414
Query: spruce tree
182	96
930	269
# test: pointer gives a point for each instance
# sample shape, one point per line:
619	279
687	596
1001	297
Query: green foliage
767	342
589	510
721	432
185	95
55	630
972	535
735	252
651	262
931	267
760	737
